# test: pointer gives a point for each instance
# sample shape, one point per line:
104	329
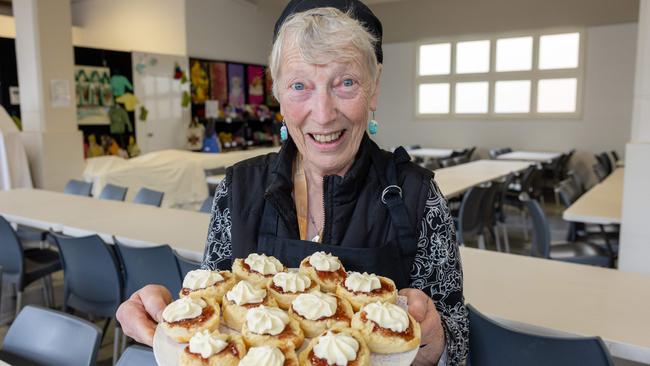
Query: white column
47	101
635	227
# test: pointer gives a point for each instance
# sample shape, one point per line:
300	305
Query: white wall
607	109
231	30
156	26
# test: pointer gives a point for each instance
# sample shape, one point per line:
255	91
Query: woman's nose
324	107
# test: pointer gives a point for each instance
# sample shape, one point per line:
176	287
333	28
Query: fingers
417	303
154	298
135	322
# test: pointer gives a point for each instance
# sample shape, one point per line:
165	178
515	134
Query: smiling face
325	108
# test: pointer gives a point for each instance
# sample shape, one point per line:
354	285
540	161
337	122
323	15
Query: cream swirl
362	282
266	320
244	293
263	356
324	262
314	305
292	281
201	278
183	308
260	263
206	344
336	349
386	315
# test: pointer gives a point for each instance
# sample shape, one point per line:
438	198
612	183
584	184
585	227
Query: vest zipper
326	234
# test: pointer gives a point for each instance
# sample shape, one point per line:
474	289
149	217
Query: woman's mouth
329	138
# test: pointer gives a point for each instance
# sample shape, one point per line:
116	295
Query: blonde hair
325	35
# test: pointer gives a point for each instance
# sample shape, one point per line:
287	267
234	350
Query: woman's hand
140	314
423	310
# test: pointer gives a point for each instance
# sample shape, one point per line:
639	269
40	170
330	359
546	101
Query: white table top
602	204
459	178
215	179
431	153
186	231
558	297
536	156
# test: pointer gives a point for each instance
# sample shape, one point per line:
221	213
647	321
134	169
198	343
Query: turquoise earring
373	125
284	134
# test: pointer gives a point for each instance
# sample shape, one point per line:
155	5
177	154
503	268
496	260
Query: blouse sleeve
218	247
437	271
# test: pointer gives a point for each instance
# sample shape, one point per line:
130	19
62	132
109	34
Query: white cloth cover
178	173
14	167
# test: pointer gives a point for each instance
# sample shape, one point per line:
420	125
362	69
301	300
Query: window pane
559	51
514	54
472	57
512	96
434	98
556	95
435	59
472	97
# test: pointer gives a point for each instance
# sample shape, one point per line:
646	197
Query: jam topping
320	362
406	335
339	315
231	349
385	287
207	312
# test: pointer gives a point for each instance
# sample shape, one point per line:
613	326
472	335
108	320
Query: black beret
358	10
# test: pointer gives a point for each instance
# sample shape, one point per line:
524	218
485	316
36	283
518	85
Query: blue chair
492	344
78	187
40	336
113	192
22	267
185	265
137	356
149	265
206	206
149	197
471	222
92	279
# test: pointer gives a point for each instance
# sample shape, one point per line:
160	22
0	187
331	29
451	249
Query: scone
317	311
213	349
339	346
187	316
325	269
207	284
239	299
363	288
387	328
286	286
257	269
270	356
271	326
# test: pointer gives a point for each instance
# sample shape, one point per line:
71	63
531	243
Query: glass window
435	59
472	57
434	98
472	97
557	95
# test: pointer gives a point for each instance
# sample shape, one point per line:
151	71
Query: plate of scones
264	314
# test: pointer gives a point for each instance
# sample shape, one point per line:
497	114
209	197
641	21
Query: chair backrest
461	159
600	172
577	184
113	192
137	356
92	278
541	231
470	152
489	203
532	181
77	187
12	258
149	197
470	217
501	196
456	153
206	206
446	163
491	344
614	155
567	192
49	337
493	153
149	265
506	150
186	265
603	159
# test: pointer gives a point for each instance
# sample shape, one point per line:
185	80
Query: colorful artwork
94	94
218	83
270	99
200	81
255	84
236	95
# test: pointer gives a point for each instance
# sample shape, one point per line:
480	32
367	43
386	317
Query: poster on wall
218	82
94	95
236	85
270	99
200	81
255	84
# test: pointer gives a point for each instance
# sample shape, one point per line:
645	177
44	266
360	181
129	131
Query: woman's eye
348	82
298	86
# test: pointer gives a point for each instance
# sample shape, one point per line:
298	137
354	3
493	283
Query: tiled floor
517	245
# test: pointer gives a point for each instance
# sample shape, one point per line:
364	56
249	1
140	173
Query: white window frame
492	76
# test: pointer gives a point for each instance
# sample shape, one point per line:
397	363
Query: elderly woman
330	188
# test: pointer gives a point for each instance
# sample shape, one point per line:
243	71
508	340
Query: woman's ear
375	94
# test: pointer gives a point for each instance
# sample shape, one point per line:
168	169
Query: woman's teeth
327	138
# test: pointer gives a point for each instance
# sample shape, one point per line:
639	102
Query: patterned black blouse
436	271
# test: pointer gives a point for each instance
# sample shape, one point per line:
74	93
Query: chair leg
481	242
104	329
497	239
505	238
46	293
19	301
524	224
116	344
123	343
50	288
